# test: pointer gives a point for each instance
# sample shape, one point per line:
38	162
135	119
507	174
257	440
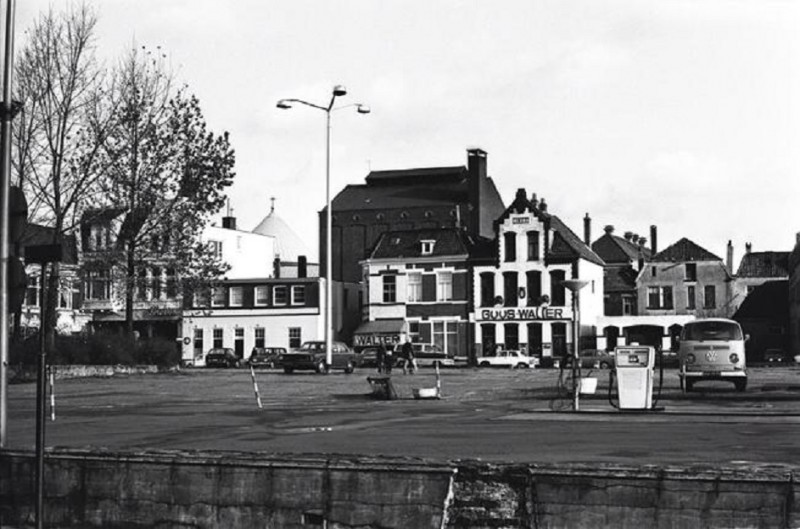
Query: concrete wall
180	489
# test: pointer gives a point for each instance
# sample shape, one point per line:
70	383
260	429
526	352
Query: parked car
776	357
311	357
430	355
507	358
593	359
368	357
222	357
667	359
266	356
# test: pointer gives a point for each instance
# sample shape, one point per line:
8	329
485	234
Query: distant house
417	286
757	268
624	258
685	279
764	316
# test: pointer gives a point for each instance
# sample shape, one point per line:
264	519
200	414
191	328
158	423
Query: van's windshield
711	330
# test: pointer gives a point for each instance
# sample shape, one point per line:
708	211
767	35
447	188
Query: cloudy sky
682	114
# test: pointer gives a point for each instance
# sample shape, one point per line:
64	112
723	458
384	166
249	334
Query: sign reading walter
525	314
366	340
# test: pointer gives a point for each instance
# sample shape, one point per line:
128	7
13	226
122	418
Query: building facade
417	287
794	299
520	301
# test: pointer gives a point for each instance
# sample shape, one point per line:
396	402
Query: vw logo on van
711	356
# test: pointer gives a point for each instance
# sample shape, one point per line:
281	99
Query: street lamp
574	285
338	91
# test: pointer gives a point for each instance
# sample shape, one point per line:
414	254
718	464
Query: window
218	297
558	297
217	338
535	339
32	292
534	283
262	296
280	295
66	291
533	246
414	287
627	306
444	286
294	337
427	247
155	283
653	271
200	297
659	298
216	248
198	342
299	295
487	289
511	331
691	271
691	296
172	284
445	336
141	285
389	288
710	298
259	337
98	285
510	244
236	296
510	289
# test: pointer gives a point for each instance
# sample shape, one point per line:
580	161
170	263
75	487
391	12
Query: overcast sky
682	114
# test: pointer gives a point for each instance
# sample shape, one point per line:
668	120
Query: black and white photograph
393	264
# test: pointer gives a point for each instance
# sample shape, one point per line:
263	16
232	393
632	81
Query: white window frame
216	299
261	296
236	296
275	296
414	287
426	246
444	286
298	295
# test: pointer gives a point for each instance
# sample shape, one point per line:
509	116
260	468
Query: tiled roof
684	250
770	300
764	264
573	242
424	175
614	249
370	197
407	243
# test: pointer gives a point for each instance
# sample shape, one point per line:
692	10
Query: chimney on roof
302	266
642	241
543	205
729	257
634	238
628	235
797	237
587	230
609	229
476	169
276	267
748	247
653	240
229	221
535	202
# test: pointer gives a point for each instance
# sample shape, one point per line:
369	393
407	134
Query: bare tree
58	134
163	170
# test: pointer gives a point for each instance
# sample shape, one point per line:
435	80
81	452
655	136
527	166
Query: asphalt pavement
495	415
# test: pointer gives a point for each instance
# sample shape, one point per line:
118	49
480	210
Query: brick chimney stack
476	168
653	240
729	257
587	230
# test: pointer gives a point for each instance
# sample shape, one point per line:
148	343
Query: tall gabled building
398	200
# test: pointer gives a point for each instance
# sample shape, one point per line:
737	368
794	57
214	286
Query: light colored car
508	358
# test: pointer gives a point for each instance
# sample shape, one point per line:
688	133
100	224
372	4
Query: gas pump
635	373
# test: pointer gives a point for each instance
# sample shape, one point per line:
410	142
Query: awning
386	332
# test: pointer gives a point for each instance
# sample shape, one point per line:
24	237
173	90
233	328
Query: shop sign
525	314
366	340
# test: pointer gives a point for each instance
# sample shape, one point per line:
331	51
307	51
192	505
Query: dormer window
427	247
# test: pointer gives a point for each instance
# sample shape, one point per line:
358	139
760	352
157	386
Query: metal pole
576	369
328	244
41	399
5	184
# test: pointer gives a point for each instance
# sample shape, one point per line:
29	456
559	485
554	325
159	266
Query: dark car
311	356
266	356
368	357
776	357
222	357
593	359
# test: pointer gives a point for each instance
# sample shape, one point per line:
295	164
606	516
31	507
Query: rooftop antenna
271	205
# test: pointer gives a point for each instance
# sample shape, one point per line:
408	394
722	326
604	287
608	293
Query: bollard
255	387
52	395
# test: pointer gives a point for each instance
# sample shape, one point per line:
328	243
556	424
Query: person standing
388	361
380	357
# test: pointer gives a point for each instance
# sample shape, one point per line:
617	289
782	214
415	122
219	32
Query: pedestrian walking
409	362
388	361
380	357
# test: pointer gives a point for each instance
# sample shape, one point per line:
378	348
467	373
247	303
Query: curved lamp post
337	91
574	286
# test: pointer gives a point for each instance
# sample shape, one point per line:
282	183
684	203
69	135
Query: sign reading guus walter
524	314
